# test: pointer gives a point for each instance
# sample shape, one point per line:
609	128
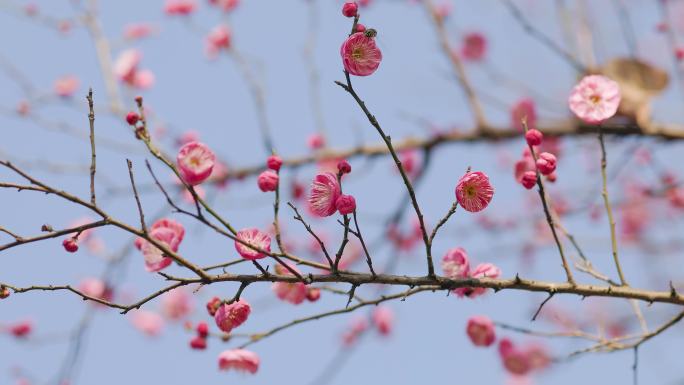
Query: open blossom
66	86
546	163
179	7
167	232
480	330
360	55
176	304
267	181
230	316
455	263
383	319
149	323
256	238
524	108
325	190
483	270
595	98
195	162
126	64
292	292
474	46
474	192
240	360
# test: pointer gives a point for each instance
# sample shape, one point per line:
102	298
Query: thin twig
143	226
93	156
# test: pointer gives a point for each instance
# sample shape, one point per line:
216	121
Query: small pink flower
267	181
179	7
149	323
218	39
137	31
20	329
198	343
480	330
474	192
474	46
292	292
524	165
240	360
126	65
595	98
346	204
343	167
228	317
529	179
256	238
195	162
143	79
325	190
225	5
360	55
66	86
167	232
483	270
132	118
524	108
350	9
546	163
537	356
514	360
315	141
212	305
95	288
176	304
313	294
70	245
383	318
274	162
455	263
534	137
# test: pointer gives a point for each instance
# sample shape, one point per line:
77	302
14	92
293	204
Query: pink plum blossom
167	232
546	163
474	46
455	263
346	204
267	181
480	330
315	141
137	31
474	192
292	292
148	322
176	304
66	86
524	108
218	39
179	7
595	98
195	162
534	137
383	319
96	288
230	316
256	238
274	162
240	360
528	179
325	190
360	55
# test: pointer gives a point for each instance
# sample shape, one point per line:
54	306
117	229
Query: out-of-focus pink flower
126	64
595	98
198	343
546	163
325	190
474	46
292	292
66	86
524	108
148	322
195	162
225	5
524	165
267	181
315	141
23	108
537	356
474	192
358	325
240	360
480	330
20	329
213	305
96	288
179	7
143	79
483	270
455	263
313	294
410	161
343	167
360	55
176	304
346	204
230	316
167	232
137	31
256	238
383	319
528	179
218	39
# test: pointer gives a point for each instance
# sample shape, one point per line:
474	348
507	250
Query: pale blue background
414	81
